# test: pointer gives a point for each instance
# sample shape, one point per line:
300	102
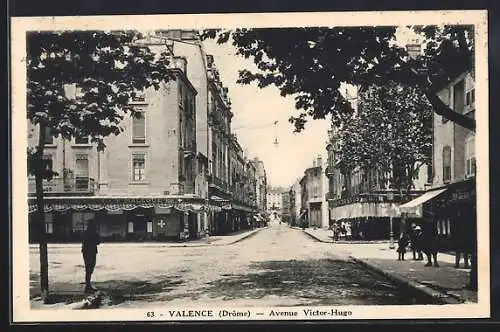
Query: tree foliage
80	84
311	63
108	67
391	132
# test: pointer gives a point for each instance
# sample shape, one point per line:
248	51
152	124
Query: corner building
142	187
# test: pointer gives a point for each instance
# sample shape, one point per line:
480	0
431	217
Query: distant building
314	185
274	201
285	207
295	203
261	188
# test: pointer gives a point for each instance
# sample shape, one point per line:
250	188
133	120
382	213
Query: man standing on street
90	242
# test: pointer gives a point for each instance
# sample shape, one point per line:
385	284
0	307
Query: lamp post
391	223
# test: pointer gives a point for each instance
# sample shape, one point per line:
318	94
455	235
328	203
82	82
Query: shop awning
218	199
115	204
412	205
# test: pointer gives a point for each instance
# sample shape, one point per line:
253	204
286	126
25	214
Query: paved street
278	266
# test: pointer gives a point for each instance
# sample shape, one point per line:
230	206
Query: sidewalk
325	235
216	240
444	284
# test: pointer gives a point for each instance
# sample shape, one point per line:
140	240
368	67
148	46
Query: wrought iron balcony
218	182
59	185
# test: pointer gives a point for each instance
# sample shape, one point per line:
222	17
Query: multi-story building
143	185
313	192
451	202
167	176
219	121
186	43
261	188
274	201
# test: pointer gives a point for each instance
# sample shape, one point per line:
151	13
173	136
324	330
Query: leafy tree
109	68
311	63
390	132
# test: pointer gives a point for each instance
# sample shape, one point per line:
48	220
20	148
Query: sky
255	111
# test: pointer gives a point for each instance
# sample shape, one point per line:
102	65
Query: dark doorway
193	225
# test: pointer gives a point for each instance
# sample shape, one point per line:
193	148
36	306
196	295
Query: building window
470	97
446	164
130	227
80	221
48	162
149	227
138	167
48	138
458	96
139	127
470	157
429	174
82	140
81	172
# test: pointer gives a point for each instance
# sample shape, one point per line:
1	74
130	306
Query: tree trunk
40	220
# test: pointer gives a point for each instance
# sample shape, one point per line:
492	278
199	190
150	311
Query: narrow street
278	266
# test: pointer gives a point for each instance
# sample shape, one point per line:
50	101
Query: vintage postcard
294	166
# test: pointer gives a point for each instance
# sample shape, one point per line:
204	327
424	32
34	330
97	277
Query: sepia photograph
214	167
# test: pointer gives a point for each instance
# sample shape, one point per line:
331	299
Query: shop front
451	211
120	219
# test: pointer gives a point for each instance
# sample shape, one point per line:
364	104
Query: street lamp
391	223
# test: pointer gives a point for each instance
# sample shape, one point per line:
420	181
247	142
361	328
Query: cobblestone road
277	266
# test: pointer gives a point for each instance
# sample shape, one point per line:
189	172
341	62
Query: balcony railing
380	197
76	185
219	182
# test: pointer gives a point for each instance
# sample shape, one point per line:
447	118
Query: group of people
340	229
421	241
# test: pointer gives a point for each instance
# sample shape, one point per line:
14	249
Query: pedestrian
91	240
402	243
415	234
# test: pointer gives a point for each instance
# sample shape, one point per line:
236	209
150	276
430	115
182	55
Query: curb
243	237
415	288
164	245
346	241
316	238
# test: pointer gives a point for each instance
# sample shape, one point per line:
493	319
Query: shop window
130	227
49	223
470	157
80	221
149	227
446	164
